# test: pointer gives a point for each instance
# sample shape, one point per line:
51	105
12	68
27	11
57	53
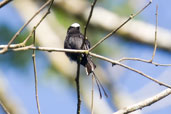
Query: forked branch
114	31
5	49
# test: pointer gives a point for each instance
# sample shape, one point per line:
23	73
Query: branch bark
144	103
4	2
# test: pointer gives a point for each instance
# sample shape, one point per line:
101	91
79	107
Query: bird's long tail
99	85
90	66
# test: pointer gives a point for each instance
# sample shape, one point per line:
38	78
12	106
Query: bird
74	40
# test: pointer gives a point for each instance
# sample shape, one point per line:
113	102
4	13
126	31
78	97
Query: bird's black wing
76	41
86	45
73	41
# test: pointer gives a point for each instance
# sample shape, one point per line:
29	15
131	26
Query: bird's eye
78	28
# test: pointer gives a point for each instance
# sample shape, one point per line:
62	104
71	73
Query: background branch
22	28
154	51
144	103
4	2
118	28
35	27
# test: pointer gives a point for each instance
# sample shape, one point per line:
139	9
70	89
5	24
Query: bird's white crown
75	25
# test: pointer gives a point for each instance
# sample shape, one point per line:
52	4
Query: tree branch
144	103
154	51
35	75
114	31
78	85
5	49
155	40
78	59
129	68
92	96
92	54
89	17
31	47
142	60
35	27
13	47
4	2
85	31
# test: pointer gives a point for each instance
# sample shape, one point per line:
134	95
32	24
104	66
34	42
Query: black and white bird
74	40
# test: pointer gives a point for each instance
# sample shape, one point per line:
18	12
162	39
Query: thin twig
129	68
31	47
12	46
142	60
88	21
92	96
154	51
35	76
78	85
31	33
4	2
49	49
79	60
114	31
144	103
5	49
155	41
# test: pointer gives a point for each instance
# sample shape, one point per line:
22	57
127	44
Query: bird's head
74	28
